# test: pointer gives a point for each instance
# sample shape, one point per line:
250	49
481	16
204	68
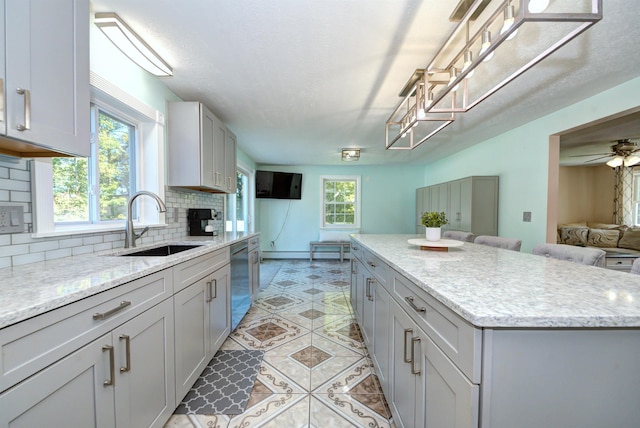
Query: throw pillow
574	235
603	238
630	239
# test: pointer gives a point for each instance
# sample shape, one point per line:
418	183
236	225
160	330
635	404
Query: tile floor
315	371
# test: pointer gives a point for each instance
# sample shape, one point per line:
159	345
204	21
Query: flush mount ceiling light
131	44
350	155
524	33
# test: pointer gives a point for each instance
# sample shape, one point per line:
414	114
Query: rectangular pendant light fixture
350	155
131	44
489	48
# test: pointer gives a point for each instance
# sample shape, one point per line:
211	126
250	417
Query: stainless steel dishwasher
240	289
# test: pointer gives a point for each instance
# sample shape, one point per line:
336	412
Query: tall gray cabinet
471	204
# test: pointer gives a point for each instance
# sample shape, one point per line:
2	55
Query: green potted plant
433	221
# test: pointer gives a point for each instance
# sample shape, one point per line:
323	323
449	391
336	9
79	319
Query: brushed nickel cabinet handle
27	109
101	316
372	264
409	300
127	347
406	360
110	381
215	289
353	267
370	282
210	294
413	359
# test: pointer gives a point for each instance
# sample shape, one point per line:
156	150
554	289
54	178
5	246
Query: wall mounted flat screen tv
278	185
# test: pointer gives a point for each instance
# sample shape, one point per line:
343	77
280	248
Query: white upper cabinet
201	149
44	67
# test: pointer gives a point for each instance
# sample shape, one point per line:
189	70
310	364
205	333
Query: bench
341	244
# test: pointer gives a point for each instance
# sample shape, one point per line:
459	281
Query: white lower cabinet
423	385
202	324
427	388
68	393
219	308
126	374
192	335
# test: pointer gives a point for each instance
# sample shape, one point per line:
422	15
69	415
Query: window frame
230	205
150	171
357	204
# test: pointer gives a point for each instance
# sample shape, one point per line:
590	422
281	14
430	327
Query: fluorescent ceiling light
131	44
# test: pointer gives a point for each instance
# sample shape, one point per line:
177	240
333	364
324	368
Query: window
240	204
77	195
96	189
340	201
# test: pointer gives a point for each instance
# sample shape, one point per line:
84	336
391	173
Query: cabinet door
230	167
405	393
466	206
451	400
254	271
192	336
207	162
145	382
219	141
368	310
69	393
47	73
381	327
357	295
434	198
454	211
218	297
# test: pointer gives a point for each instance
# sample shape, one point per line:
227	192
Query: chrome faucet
130	235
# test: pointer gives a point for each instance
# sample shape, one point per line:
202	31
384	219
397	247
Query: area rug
224	386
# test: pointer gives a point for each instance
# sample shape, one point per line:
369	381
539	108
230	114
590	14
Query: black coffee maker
198	221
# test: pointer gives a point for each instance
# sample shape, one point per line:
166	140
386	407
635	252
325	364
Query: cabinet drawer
356	250
619	262
35	343
458	339
254	243
378	268
191	271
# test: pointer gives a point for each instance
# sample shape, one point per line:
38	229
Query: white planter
433	233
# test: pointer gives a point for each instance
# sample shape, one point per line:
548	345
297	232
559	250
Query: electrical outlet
526	216
11	219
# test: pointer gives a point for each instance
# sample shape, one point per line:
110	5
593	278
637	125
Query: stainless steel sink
165	250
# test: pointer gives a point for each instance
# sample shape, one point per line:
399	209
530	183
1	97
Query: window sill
88	229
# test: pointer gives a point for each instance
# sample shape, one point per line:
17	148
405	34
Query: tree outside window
96	189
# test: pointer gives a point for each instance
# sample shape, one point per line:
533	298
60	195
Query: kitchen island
486	337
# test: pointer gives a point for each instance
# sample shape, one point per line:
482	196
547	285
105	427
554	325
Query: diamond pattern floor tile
315	371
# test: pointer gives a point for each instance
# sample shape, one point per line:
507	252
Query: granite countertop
492	287
30	290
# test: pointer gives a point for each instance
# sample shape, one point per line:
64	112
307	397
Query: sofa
613	238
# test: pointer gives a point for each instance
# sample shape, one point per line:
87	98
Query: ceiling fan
623	152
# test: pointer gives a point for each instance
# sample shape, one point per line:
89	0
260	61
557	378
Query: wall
388	201
520	157
15	181
586	193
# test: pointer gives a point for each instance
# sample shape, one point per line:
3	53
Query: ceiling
298	80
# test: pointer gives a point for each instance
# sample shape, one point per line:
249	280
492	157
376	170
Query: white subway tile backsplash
43	246
14	250
8	184
90	240
21	248
17	174
86	249
69	243
57	254
27	258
